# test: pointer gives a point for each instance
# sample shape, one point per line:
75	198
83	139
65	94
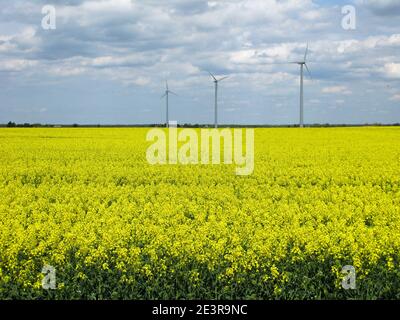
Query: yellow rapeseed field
86	202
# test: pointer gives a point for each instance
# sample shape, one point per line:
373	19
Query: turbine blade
212	76
163	96
305	54
222	79
173	93
309	73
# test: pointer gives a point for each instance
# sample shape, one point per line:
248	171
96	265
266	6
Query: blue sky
107	61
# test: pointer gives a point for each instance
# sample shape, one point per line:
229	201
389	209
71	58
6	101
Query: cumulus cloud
392	70
13	65
336	90
395	97
65	71
140	81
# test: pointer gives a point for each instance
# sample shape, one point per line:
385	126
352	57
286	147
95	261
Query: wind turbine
216	81
166	95
302	64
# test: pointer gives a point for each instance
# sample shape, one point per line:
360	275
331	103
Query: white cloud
16	65
336	90
392	70
126	60
396	97
66	71
355	45
140	81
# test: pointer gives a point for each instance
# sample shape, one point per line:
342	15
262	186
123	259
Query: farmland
87	202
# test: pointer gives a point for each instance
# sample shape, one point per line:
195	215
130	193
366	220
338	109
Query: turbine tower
166	95
216	81
302	64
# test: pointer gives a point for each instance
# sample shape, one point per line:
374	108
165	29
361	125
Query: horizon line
11	125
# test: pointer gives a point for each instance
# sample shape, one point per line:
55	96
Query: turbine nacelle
217	80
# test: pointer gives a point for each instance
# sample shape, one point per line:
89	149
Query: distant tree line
26	125
187	125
